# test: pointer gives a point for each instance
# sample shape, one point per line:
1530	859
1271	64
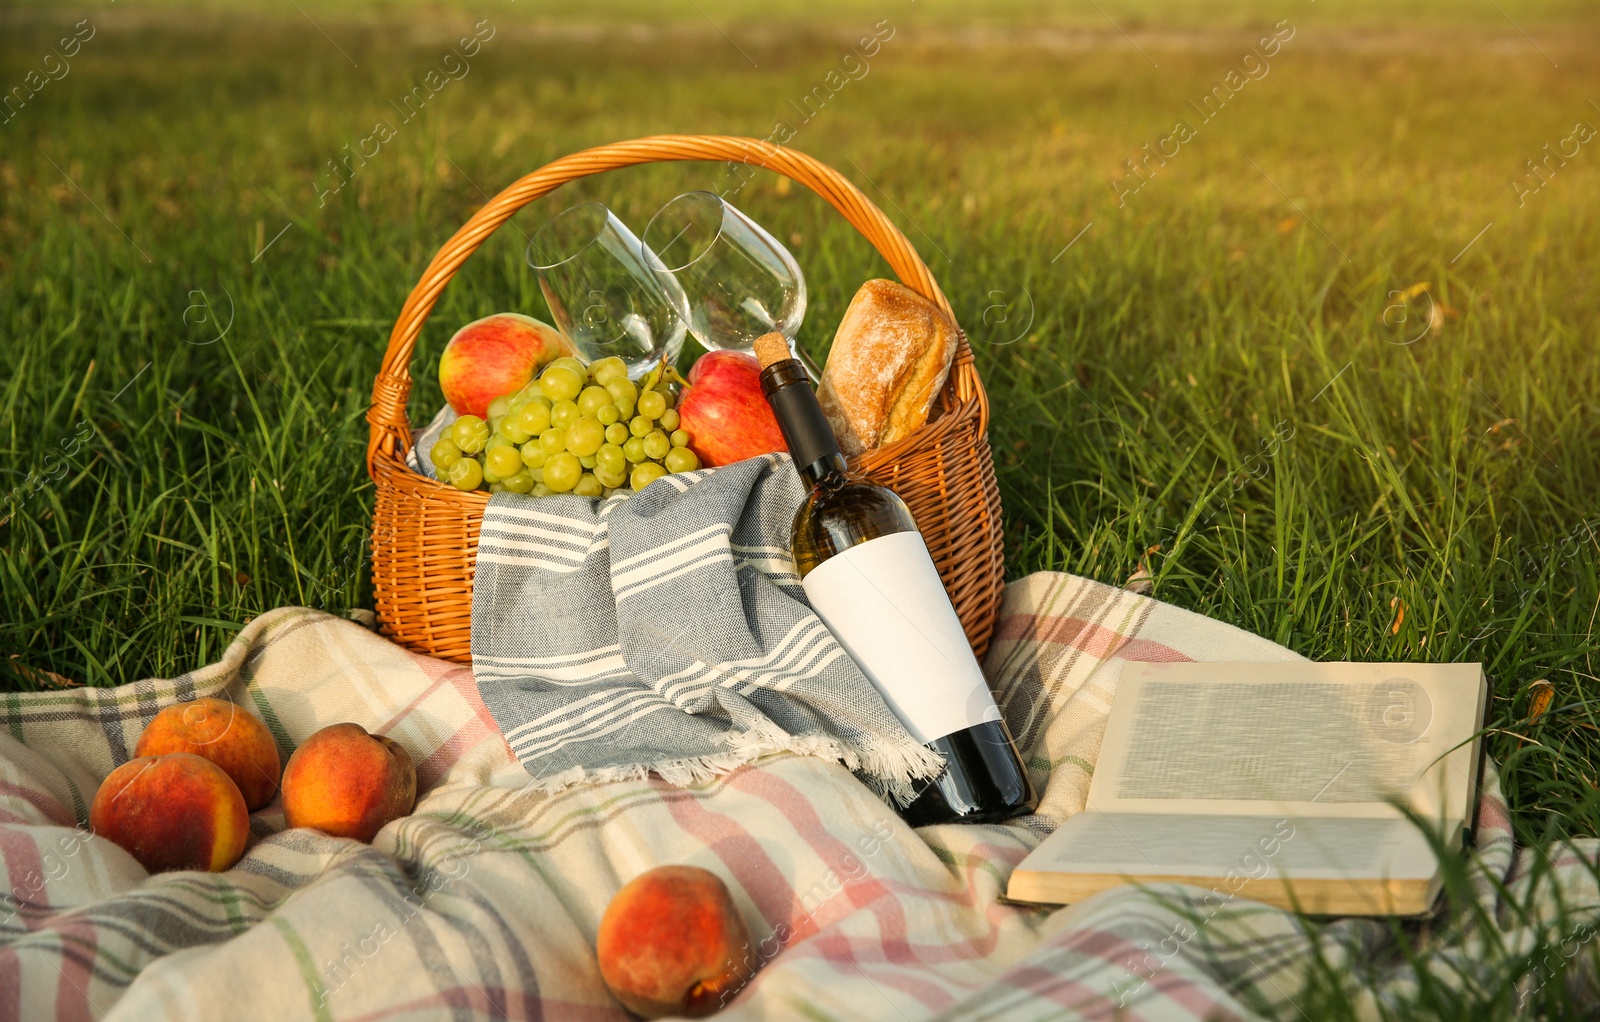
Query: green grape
513	431
624	409
680	438
585	436
607	369
587	460
592	400
497	440
541	490
537	474
519	482
681	459
466	474
444	453
610	458
503	461
490	477
611	480
617	433
640	425
670	398
497	487
652	404
500	406
656	444
669	419
607	414
533	418
534	454
623	390
563	414
576	365
553	440
560	383
588	486
470	434
633	450
644	474
562	472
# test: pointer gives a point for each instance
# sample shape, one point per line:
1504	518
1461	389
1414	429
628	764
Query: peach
177	811
669	941
496	355
226	734
347	783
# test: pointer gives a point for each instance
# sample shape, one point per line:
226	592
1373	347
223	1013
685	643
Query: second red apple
724	411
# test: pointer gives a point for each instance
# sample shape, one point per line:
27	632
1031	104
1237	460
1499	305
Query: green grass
1240	298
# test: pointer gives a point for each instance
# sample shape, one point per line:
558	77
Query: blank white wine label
885	604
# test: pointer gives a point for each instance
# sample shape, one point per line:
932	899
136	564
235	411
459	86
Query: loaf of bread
889	358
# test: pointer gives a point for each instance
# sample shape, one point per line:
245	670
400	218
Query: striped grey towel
667	631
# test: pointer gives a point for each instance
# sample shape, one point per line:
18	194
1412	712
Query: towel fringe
890	770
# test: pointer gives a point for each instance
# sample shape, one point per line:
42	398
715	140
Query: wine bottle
868	575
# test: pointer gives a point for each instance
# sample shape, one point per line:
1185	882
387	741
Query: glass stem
811	366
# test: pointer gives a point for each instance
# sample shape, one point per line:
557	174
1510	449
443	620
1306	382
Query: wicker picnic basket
425	535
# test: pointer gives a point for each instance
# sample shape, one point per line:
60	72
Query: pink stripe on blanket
1118	952
881	959
46	803
887	901
1040	982
480	726
839	951
738	849
10	984
1097	641
1114	950
861	892
80	941
25	879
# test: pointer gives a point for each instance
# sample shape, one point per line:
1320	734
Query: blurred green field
1326	371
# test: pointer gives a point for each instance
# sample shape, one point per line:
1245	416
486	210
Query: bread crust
890	355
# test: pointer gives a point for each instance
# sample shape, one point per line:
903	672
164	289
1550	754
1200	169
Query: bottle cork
771	349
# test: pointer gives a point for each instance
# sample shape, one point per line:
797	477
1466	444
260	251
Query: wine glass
737	280
606	290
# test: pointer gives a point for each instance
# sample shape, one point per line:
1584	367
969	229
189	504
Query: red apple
725	413
496	355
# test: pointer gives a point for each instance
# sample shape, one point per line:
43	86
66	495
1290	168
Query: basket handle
391	430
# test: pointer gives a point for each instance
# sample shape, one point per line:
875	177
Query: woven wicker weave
425	535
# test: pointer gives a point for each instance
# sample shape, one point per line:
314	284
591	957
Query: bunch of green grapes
587	430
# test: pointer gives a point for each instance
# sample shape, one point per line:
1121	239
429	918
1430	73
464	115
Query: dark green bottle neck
828	472
805	429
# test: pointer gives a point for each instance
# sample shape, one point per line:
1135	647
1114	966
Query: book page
1295	739
1253	847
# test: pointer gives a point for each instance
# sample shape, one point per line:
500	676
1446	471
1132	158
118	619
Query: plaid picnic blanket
484	903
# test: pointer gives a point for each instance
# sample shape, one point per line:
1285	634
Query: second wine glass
738	281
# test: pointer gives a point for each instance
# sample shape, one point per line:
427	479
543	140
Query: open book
1277	782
